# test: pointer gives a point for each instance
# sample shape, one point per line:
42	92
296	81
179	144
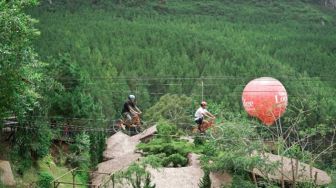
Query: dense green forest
73	63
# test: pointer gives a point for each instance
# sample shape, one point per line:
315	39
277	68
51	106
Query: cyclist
200	113
130	109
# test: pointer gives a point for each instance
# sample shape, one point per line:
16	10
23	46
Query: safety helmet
131	97
203	103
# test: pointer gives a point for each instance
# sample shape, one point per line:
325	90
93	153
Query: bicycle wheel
131	130
117	126
138	129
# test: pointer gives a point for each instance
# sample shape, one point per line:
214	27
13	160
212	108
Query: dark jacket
127	106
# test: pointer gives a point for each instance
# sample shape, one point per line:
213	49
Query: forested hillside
154	48
90	55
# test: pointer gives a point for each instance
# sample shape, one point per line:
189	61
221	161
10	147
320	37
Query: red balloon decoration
265	98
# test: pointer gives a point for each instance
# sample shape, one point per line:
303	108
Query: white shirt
199	113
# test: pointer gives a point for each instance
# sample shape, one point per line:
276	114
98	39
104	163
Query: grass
333	179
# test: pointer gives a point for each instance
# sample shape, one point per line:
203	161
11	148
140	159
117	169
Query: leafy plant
45	180
80	151
80	156
175	160
241	181
167	147
137	176
235	149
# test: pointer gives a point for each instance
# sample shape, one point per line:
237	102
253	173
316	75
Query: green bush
240	181
136	176
199	139
174	153
167	147
45	180
165	130
23	165
176	160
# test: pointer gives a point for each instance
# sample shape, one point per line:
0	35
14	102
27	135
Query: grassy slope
43	165
46	165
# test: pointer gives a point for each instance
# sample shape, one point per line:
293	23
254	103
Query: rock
303	172
6	174
148	133
193	160
118	145
184	177
187	177
120	152
112	166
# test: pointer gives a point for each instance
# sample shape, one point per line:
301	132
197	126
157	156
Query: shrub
136	176
23	165
199	139
45	180
175	160
240	181
166	147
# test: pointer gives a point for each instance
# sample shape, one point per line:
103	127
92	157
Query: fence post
293	173
282	173
315	178
73	178
112	180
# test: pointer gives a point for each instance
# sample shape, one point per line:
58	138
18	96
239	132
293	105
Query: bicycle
133	127
204	126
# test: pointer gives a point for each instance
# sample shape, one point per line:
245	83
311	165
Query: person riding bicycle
130	109
200	113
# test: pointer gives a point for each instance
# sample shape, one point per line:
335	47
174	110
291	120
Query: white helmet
131	97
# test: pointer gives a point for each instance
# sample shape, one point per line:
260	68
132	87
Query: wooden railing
109	182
